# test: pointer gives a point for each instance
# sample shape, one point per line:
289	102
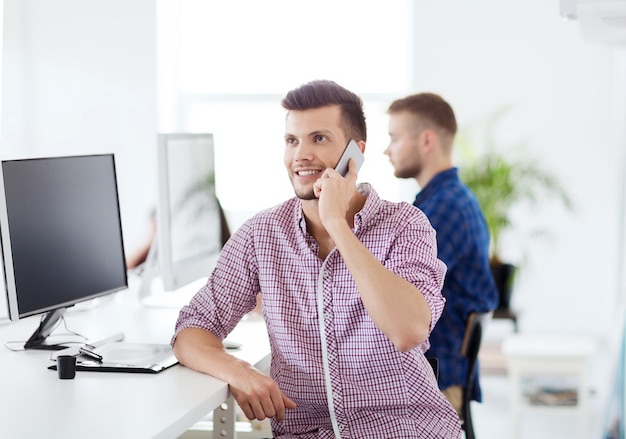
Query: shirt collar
370	208
437	182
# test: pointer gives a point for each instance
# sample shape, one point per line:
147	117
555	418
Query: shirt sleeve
414	257
463	245
230	291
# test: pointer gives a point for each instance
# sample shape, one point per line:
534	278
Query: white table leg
224	420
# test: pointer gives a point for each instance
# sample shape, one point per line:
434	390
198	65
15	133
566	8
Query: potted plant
502	180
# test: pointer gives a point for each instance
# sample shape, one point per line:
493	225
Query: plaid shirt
463	245
346	377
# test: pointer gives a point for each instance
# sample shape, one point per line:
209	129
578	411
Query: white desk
554	356
34	403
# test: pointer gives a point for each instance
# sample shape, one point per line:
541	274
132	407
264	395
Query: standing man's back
422	129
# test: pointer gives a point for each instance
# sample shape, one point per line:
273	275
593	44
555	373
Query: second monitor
191	226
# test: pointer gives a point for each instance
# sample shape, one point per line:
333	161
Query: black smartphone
352	151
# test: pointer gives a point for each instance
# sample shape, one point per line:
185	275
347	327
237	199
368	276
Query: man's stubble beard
303	195
308	195
408	172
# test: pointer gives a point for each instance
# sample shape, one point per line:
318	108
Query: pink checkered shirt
347	378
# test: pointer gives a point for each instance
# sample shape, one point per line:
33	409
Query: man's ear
361	145
429	139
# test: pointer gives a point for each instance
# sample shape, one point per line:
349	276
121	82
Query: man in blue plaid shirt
422	129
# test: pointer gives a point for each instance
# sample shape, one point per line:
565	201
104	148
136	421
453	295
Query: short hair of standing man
430	107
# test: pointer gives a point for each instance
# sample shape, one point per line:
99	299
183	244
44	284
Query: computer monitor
61	237
191	226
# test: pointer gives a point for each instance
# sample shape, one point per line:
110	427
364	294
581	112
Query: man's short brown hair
322	93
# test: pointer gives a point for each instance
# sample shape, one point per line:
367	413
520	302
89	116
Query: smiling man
350	287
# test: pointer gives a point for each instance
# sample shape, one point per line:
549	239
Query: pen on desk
90	354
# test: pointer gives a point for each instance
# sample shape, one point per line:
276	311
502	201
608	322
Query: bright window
225	66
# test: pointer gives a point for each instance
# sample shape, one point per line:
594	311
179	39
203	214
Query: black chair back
470	348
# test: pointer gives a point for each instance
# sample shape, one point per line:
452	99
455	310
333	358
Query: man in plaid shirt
350	287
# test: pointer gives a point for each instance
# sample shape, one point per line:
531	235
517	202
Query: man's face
404	150
314	141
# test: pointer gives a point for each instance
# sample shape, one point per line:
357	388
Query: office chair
469	349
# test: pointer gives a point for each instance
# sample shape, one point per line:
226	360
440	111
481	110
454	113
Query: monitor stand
40	338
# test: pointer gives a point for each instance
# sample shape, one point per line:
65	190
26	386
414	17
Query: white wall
79	77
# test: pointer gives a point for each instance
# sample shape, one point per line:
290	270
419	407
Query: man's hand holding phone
338	191
352	151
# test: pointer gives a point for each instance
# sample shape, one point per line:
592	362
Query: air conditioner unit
601	21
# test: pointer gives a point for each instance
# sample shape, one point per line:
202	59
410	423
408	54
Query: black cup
66	367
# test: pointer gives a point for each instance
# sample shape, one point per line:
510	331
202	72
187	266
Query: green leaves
502	181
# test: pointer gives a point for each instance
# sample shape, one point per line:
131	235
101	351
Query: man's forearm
200	350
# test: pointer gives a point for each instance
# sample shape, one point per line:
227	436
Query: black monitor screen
61	219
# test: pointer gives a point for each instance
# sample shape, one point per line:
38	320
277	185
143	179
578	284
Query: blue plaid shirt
463	244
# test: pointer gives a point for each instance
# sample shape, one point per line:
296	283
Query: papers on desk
127	357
